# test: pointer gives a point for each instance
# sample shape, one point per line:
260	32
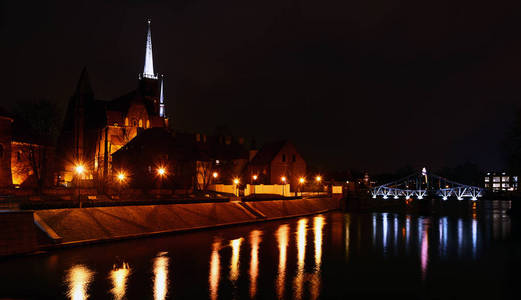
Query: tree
36	128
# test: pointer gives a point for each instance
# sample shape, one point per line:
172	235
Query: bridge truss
423	184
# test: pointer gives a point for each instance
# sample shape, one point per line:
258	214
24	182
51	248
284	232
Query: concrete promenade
74	226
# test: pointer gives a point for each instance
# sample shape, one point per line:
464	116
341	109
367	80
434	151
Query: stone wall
18	234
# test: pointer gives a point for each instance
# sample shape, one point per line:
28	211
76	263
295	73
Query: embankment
74	226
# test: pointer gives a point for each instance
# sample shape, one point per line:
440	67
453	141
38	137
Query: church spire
161	100
148	70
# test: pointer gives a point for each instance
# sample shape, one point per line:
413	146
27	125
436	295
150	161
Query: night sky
368	85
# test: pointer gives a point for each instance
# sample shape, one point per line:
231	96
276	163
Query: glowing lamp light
459	198
161	171
254	177
236	181
301	180
79	169
121	177
318	178
444	197
474	199
374	196
395	197
283	178
420	197
215	174
385	196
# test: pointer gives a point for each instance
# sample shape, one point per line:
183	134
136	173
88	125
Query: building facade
94	129
501	182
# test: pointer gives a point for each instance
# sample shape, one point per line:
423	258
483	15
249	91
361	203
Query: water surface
468	255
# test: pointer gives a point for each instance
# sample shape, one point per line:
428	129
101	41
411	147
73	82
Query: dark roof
268	152
162	140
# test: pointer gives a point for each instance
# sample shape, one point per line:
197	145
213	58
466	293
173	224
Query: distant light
318	178
236	181
121	176
420	197
459	198
374	196
283	178
254	177
79	169
395	197
347	181
161	171
474	199
215	175
444	197
302	180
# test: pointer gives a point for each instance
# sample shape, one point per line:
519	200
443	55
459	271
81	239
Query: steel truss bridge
422	184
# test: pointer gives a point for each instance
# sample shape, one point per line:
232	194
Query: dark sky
374	84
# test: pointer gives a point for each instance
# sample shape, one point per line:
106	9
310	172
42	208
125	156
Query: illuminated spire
161	100
148	71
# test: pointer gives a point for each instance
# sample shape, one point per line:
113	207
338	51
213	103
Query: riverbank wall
75	226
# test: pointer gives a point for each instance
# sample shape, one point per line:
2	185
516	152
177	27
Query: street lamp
283	179
254	177
161	171
79	169
318	179
236	183
301	180
121	178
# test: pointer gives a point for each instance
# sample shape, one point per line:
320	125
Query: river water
468	255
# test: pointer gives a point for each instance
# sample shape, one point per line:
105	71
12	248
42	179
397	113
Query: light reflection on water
282	235
215	270
234	261
161	263
78	280
255	239
291	256
119	276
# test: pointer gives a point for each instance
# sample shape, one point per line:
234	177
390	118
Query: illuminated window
148	123
126	121
496	179
134	123
514	178
505	178
487	179
141	123
496	185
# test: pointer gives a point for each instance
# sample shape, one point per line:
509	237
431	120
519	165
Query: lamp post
236	183
301	182
79	169
121	179
283	179
254	177
318	179
161	171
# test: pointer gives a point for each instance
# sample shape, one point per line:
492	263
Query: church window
126	121
140	122
134	123
148	123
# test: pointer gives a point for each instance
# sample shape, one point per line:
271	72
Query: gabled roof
268	152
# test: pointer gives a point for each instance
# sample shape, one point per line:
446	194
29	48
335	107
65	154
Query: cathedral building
94	129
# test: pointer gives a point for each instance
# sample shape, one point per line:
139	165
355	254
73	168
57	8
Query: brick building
94	129
276	160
